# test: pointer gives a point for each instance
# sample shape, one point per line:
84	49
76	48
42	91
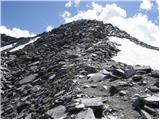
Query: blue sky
36	16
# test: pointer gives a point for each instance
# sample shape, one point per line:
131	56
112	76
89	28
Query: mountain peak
69	73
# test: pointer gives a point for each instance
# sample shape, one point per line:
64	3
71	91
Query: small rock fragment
145	114
155	74
117	86
59	93
144	82
80	106
129	71
122	92
153	89
136	78
105	87
52	76
119	72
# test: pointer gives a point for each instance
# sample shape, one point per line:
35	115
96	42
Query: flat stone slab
143	68
87	114
91	102
152	100
28	79
129	71
96	77
57	112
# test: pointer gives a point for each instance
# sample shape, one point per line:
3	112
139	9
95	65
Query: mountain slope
68	73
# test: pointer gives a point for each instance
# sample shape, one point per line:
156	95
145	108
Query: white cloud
68	4
72	2
98	12
158	3
49	28
138	26
66	15
97	7
146	5
16	32
77	2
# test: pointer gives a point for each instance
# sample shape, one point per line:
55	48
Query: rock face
68	73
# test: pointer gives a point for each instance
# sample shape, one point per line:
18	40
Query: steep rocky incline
68	73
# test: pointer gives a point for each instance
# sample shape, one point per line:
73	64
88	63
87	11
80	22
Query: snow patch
7	47
133	54
22	46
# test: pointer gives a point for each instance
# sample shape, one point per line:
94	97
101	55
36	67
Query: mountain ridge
117	33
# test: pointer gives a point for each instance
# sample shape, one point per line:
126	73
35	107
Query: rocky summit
68	73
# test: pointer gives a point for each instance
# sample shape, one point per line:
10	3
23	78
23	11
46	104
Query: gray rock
59	93
86	114
28	79
145	114
122	93
144	82
146	69
129	71
150	110
119	72
137	78
152	100
91	102
36	88
105	72
96	77
52	76
156	84
21	106
29	116
153	89
57	112
93	85
155	74
117	86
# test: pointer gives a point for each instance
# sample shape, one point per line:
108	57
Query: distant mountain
69	72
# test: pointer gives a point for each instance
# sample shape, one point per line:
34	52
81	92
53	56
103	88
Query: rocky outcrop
68	73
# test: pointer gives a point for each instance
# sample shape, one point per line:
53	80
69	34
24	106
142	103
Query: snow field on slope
133	54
